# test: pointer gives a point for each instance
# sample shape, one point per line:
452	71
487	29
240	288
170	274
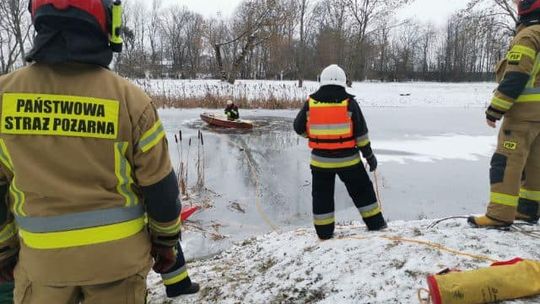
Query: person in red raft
232	111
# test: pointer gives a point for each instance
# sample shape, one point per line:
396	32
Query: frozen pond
433	162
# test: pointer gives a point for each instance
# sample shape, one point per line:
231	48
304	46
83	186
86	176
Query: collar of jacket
56	44
524	21
331	93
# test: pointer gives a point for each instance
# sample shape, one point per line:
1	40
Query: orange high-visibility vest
329	125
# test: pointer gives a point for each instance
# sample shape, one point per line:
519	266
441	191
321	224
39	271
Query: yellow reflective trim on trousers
527	51
504	199
18	195
501	104
335	132
323	222
363	143
335	165
176	279
122	170
8	232
173	229
371	213
528	98
152	137
529	194
82	237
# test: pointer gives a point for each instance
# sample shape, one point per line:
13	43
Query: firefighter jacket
84	159
232	112
336	129
518	93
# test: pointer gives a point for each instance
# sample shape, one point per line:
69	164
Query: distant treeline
295	39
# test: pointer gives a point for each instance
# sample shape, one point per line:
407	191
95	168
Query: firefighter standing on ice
515	166
84	159
336	129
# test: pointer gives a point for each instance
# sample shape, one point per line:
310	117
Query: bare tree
15	25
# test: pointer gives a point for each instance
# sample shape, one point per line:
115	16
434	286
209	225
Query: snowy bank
373	94
355	267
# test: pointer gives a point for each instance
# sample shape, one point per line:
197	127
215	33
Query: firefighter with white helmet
334	124
232	111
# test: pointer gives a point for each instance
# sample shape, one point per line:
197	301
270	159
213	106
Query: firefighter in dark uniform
232	111
332	121
515	166
92	196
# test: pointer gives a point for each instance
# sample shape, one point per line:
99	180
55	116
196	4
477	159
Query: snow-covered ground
355	267
418	94
433	148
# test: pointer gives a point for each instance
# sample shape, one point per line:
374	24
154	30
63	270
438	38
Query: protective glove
372	161
6	270
164	258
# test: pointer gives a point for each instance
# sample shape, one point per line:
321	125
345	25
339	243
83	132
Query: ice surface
434	151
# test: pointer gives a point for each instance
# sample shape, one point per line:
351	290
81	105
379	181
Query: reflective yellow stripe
176	279
173	229
317	104
529	194
529	98
367	214
504	199
336	132
18	195
323	222
82	237
521	49
335	165
501	104
532	80
152	137
122	170
8	232
363	143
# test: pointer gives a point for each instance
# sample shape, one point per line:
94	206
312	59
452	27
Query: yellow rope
255	177
377	190
421	242
439	247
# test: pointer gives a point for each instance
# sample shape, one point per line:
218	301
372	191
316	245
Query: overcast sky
436	11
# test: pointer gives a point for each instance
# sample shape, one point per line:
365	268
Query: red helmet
105	14
526	7
96	8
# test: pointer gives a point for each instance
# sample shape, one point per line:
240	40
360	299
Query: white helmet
229	102
333	75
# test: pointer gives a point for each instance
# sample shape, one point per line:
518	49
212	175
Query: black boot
376	222
184	288
194	288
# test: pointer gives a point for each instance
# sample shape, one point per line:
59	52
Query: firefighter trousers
360	189
131	290
515	171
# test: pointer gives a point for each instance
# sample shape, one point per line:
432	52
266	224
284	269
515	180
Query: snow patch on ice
434	148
